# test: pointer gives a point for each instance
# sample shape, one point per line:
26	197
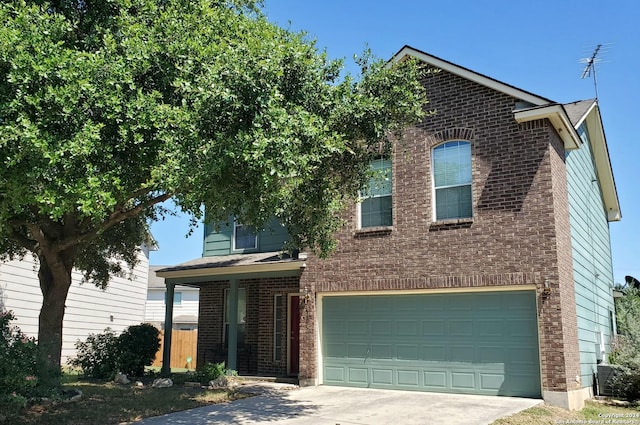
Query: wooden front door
294	334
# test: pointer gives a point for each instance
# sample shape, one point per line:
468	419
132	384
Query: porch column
168	327
232	358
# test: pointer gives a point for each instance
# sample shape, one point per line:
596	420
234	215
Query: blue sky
535	46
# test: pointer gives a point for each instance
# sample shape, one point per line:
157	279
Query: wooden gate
184	346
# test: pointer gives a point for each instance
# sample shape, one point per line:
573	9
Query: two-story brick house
478	262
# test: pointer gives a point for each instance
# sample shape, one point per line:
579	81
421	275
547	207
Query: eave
408	51
557	115
602	161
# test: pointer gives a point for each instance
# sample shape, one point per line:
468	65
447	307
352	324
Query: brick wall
518	234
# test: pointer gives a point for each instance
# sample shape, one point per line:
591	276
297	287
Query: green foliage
109	108
626	348
137	347
17	366
211	371
102	355
97	356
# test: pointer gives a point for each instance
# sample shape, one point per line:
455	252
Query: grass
107	403
594	412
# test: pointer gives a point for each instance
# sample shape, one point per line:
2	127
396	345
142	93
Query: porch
248	312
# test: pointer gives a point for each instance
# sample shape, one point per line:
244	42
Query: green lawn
595	412
108	403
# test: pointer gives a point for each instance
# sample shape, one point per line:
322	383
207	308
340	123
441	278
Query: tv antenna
590	67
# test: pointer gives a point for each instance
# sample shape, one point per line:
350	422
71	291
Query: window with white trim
376	206
452	180
244	237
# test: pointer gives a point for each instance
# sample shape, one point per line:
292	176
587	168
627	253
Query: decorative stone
139	384
121	378
223	382
162	383
72	396
219	383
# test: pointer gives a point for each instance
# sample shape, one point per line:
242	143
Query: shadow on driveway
351	406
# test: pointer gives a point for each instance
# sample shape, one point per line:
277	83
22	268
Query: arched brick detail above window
456	133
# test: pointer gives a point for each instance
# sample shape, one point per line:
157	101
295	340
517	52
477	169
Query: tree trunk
55	280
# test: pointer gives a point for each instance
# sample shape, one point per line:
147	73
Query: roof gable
408	51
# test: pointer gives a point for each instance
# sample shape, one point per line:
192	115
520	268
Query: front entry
294	335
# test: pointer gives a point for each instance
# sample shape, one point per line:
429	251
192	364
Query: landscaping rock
121	378
162	383
139	384
223	382
72	396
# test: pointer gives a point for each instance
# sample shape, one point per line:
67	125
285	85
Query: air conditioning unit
605	375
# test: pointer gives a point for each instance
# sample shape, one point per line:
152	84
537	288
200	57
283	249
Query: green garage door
475	343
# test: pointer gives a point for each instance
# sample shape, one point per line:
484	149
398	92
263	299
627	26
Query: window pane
380	183
245	237
452	164
377	212
376	208
453	202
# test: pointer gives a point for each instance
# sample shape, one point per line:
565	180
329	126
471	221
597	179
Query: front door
294	334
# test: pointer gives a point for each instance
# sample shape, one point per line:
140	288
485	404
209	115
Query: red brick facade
519	234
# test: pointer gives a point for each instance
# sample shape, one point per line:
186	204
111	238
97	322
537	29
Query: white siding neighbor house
185	303
89	310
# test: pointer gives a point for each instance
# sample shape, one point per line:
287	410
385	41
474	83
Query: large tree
110	107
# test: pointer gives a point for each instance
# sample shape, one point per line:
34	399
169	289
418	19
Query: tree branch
115	218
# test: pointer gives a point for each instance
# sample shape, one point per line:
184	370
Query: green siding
591	251
219	242
474	343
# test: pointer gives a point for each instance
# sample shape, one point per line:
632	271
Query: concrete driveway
350	406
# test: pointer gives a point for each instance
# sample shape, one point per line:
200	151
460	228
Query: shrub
98	355
137	348
211	371
17	366
625	354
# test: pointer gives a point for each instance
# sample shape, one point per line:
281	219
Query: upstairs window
452	180
245	237
376	208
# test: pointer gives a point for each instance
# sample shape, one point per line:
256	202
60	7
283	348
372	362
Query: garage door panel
419	345
434	328
407	352
382	376
358	351
461	327
490	328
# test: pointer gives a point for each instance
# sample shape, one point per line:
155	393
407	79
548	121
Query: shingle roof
577	110
231	261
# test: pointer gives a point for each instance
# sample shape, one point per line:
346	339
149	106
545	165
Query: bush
137	348
101	356
211	371
98	355
17	366
625	355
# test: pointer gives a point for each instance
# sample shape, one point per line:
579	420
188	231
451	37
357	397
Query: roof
227	266
154	280
408	51
565	118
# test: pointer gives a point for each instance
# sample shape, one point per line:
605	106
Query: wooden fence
183	346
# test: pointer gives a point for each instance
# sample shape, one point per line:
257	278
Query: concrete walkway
349	406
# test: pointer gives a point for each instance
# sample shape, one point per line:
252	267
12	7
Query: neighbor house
478	262
89	309
185	303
